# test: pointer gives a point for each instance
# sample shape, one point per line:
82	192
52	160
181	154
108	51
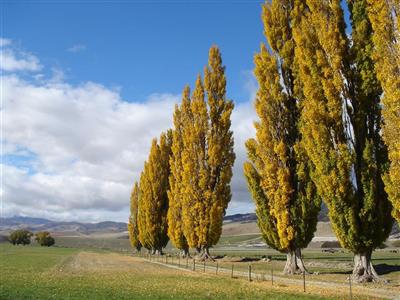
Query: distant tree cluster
20	237
184	189
23	237
44	238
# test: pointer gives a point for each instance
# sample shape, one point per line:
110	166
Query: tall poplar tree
220	152
175	192
341	125
195	176
153	201
207	157
133	229
287	203
384	16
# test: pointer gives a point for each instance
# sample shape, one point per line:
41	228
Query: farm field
30	272
331	267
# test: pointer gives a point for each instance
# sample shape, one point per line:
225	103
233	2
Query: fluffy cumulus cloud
11	60
4	42
72	152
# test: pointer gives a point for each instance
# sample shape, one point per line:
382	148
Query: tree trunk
205	254
158	251
294	263
363	269
185	253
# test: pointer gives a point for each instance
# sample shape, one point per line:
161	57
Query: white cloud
77	48
243	117
88	144
72	152
4	42
15	60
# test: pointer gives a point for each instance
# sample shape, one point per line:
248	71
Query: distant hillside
238	224
251	217
38	224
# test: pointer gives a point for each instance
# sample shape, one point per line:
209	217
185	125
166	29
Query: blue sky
142	47
86	85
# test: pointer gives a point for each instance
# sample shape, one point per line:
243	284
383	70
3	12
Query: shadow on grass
383	269
248	259
335	272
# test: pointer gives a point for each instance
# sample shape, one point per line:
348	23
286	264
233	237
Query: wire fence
216	268
234	271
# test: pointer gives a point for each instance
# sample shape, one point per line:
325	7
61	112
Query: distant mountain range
74	228
39	224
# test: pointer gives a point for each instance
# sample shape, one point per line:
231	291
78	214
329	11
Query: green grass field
103	268
330	267
29	272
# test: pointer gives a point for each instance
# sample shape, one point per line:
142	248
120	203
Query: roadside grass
29	272
324	267
331	267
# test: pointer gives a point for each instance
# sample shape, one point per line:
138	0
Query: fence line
250	274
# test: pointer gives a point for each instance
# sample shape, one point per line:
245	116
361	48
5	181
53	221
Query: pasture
31	272
238	250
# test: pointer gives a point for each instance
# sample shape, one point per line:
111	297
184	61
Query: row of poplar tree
184	189
329	130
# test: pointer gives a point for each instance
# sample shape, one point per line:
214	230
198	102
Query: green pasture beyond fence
213	267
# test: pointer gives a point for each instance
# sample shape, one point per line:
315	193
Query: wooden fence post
351	294
216	269
194	264
272	276
304	281
232	272
249	272
204	266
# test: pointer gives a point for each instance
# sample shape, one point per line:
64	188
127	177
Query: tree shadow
383	269
249	259
334	272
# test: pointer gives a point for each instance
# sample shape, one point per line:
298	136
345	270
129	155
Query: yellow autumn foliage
384	16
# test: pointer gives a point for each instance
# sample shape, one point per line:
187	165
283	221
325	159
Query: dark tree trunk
185	253
158	251
205	254
294	263
363	269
